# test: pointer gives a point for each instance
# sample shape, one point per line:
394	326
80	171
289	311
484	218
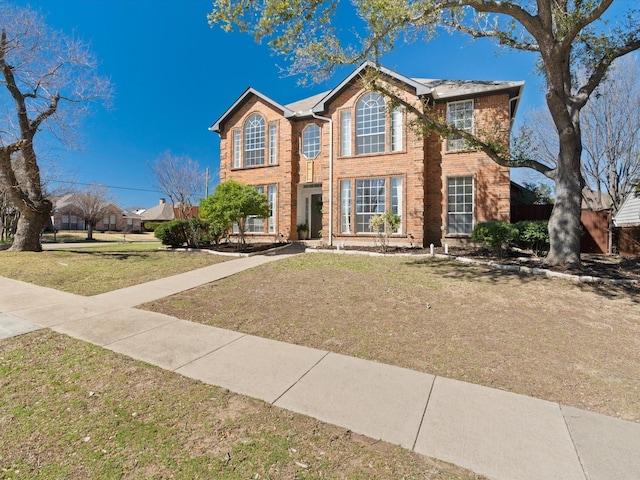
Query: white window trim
382	134
452	144
273	143
346	132
397	130
237	148
473	206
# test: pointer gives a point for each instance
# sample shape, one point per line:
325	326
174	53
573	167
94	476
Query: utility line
108	186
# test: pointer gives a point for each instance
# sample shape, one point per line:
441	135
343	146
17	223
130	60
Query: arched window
370	124
254	141
311	141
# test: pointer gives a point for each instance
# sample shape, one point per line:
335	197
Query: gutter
327	119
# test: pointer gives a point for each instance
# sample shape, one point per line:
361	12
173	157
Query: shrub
174	233
495	235
384	226
151	226
533	235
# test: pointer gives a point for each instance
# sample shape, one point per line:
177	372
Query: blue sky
174	76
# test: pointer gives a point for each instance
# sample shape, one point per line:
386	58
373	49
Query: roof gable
249	92
420	89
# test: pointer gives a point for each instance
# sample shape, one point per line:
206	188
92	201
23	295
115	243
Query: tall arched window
254	141
370	124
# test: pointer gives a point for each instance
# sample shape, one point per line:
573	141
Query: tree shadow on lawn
487	274
113	255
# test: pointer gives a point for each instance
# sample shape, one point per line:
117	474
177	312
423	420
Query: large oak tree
45	79
566	35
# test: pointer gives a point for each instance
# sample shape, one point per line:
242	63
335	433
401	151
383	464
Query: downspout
326	119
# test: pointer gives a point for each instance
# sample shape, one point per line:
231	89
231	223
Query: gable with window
460	117
254	143
375	131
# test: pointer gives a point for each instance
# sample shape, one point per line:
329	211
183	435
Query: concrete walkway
498	434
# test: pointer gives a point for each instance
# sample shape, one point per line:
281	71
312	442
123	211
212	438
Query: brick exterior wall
424	164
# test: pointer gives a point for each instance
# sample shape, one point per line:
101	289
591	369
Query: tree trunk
89	231
565	229
30	225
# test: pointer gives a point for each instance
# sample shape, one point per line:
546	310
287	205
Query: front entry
316	215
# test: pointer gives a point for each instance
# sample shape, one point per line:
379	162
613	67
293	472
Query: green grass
100	268
70	410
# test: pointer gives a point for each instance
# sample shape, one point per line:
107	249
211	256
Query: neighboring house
67	216
163	212
629	213
334	160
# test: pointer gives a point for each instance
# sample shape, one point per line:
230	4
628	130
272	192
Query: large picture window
254	141
255	224
459	116
459	205
370	200
362	198
370	124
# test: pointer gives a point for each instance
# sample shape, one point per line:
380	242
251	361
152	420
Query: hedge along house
334	160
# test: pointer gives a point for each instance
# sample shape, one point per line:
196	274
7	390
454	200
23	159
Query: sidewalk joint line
301	377
210	352
424	414
106	345
573	442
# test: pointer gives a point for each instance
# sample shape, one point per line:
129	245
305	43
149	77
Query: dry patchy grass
100	268
577	344
70	410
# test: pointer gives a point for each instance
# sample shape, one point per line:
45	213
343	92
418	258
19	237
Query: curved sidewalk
499	434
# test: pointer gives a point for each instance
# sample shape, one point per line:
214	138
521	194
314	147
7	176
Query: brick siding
424	165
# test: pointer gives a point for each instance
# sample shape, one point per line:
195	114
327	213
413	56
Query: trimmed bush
533	235
151	226
174	233
495	235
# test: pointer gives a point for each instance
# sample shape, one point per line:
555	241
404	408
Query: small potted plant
303	230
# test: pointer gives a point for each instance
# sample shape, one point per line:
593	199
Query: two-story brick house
335	159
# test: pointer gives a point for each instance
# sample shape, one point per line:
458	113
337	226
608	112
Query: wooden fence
595	238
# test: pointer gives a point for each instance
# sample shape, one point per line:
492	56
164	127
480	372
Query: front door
316	215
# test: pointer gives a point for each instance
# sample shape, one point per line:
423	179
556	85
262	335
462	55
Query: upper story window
256	144
370	124
396	129
254	141
345	132
459	116
311	141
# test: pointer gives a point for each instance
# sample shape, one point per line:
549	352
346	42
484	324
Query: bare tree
181	179
610	135
92	204
42	72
